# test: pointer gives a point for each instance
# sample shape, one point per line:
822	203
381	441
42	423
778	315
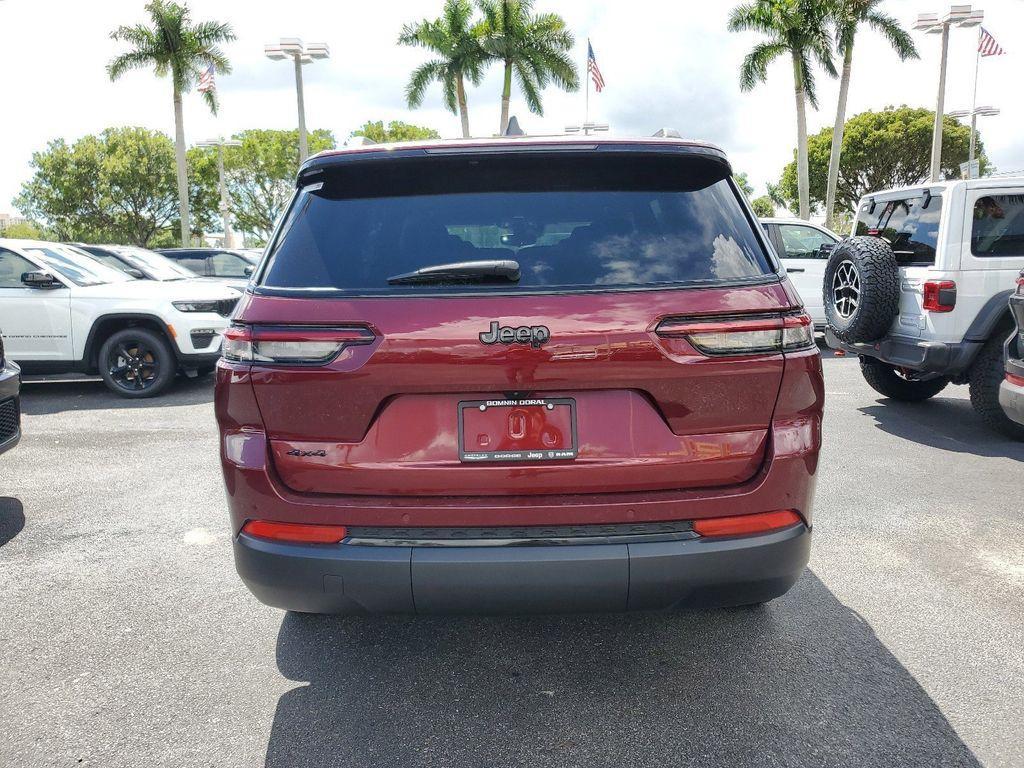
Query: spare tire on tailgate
861	289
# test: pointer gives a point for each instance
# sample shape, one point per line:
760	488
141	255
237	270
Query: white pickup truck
64	312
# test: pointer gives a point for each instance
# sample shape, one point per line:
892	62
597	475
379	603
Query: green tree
534	47
763	206
743	183
260	175
396	130
118	186
888	148
460	57
174	46
849	15
23	230
798	29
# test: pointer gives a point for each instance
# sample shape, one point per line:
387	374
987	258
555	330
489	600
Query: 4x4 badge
534	335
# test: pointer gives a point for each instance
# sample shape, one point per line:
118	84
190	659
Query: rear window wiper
487	270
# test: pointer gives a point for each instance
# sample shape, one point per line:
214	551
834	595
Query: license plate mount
539	429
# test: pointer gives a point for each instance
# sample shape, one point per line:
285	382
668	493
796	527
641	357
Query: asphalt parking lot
128	640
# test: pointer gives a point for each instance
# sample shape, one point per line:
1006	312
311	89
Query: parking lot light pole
292	48
958	16
225	212
974	115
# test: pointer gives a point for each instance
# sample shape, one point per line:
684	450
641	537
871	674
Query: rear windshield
910	225
568	224
998	228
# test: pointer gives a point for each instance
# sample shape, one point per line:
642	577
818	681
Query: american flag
206	82
593	69
987	45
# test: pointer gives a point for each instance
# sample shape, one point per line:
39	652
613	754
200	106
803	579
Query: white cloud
665	63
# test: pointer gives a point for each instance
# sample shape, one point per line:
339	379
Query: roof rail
667	133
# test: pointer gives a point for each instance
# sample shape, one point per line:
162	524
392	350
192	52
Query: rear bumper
926	356
651	575
10	415
1011	396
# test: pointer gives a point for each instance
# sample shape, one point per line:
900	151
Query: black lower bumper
698	572
10	406
942	357
198	359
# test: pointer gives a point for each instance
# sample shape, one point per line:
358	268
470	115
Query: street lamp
958	16
292	48
220	143
974	114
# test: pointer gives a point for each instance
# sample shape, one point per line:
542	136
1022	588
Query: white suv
921	290
63	312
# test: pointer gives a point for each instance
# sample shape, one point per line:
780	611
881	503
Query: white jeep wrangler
920	291
64	312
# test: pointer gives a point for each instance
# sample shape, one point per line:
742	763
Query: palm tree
534	47
460	57
175	46
850	14
799	28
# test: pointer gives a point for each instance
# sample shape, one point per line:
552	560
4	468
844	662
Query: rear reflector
1017	381
939	295
290	345
295	532
742	334
744	525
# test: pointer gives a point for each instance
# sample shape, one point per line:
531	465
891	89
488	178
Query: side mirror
249	269
138	274
825	249
40	279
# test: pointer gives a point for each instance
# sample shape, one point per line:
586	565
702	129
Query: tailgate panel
652	413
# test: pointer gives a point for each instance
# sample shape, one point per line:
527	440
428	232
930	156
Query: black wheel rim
134	365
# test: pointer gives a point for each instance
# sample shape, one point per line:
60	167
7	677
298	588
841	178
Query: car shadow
803	681
12	518
949	424
48	397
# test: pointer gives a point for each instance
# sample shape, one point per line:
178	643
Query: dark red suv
519	375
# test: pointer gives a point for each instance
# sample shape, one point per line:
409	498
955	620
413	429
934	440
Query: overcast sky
665	64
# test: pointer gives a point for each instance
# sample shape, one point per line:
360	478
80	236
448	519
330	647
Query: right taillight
1020	284
939	295
290	345
741	334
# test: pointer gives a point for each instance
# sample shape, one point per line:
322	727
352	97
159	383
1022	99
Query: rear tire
884	379
861	290
137	363
985	376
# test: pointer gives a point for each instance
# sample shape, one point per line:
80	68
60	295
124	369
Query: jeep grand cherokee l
519	375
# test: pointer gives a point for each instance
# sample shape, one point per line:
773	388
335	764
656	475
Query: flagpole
974	106
586	77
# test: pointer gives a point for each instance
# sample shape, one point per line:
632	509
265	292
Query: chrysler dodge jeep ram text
519	375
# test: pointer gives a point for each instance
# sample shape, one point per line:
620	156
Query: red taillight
299	533
1017	381
741	334
745	525
939	295
290	344
1020	284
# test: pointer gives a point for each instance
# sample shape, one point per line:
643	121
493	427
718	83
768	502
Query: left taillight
290	345
741	334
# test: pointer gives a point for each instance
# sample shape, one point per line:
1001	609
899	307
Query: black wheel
137	362
986	374
892	382
861	290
